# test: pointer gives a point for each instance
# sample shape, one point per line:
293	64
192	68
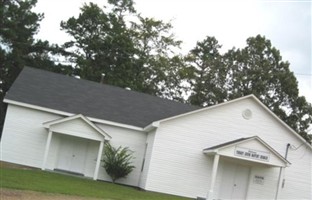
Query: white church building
234	150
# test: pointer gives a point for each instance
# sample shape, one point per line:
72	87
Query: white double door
234	181
72	154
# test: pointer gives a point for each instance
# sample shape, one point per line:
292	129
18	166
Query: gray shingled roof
227	143
64	93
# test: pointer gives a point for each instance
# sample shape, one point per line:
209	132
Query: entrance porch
76	142
241	168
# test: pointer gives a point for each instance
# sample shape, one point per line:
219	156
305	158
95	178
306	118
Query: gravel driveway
10	194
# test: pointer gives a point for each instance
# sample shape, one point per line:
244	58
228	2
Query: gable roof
78	116
68	94
251	96
225	145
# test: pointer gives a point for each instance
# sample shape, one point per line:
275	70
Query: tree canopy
132	52
18	48
141	53
256	69
208	73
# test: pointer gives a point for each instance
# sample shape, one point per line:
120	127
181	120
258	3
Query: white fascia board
36	107
70	114
251	138
215	150
116	124
61	120
81	116
151	126
282	122
204	109
98	129
211	151
73	117
272	150
266	145
235	100
232	144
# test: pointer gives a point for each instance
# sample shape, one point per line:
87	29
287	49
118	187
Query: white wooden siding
135	140
92	151
268	189
179	167
24	138
298	177
255	145
175	163
77	128
90	156
53	152
148	155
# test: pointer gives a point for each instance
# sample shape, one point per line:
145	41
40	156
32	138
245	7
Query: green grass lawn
42	181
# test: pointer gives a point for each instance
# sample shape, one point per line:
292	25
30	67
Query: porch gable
252	149
78	126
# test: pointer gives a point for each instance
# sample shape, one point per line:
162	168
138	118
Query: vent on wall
247	114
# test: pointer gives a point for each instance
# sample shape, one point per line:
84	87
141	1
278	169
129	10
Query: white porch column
98	161
213	176
46	151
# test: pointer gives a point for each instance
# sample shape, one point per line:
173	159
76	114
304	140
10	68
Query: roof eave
152	126
62	113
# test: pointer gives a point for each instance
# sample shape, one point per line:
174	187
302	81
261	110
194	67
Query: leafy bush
117	162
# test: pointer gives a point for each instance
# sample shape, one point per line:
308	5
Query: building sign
252	154
258	180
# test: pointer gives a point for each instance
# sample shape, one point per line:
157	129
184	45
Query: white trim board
70	114
251	96
80	116
217	148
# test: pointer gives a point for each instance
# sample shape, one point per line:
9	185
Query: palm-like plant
117	162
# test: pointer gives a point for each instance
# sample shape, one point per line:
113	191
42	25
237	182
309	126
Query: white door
72	154
234	181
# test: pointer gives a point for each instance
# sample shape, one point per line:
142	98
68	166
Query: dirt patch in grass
10	194
13	166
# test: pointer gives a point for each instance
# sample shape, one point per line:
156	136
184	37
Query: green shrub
117	162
